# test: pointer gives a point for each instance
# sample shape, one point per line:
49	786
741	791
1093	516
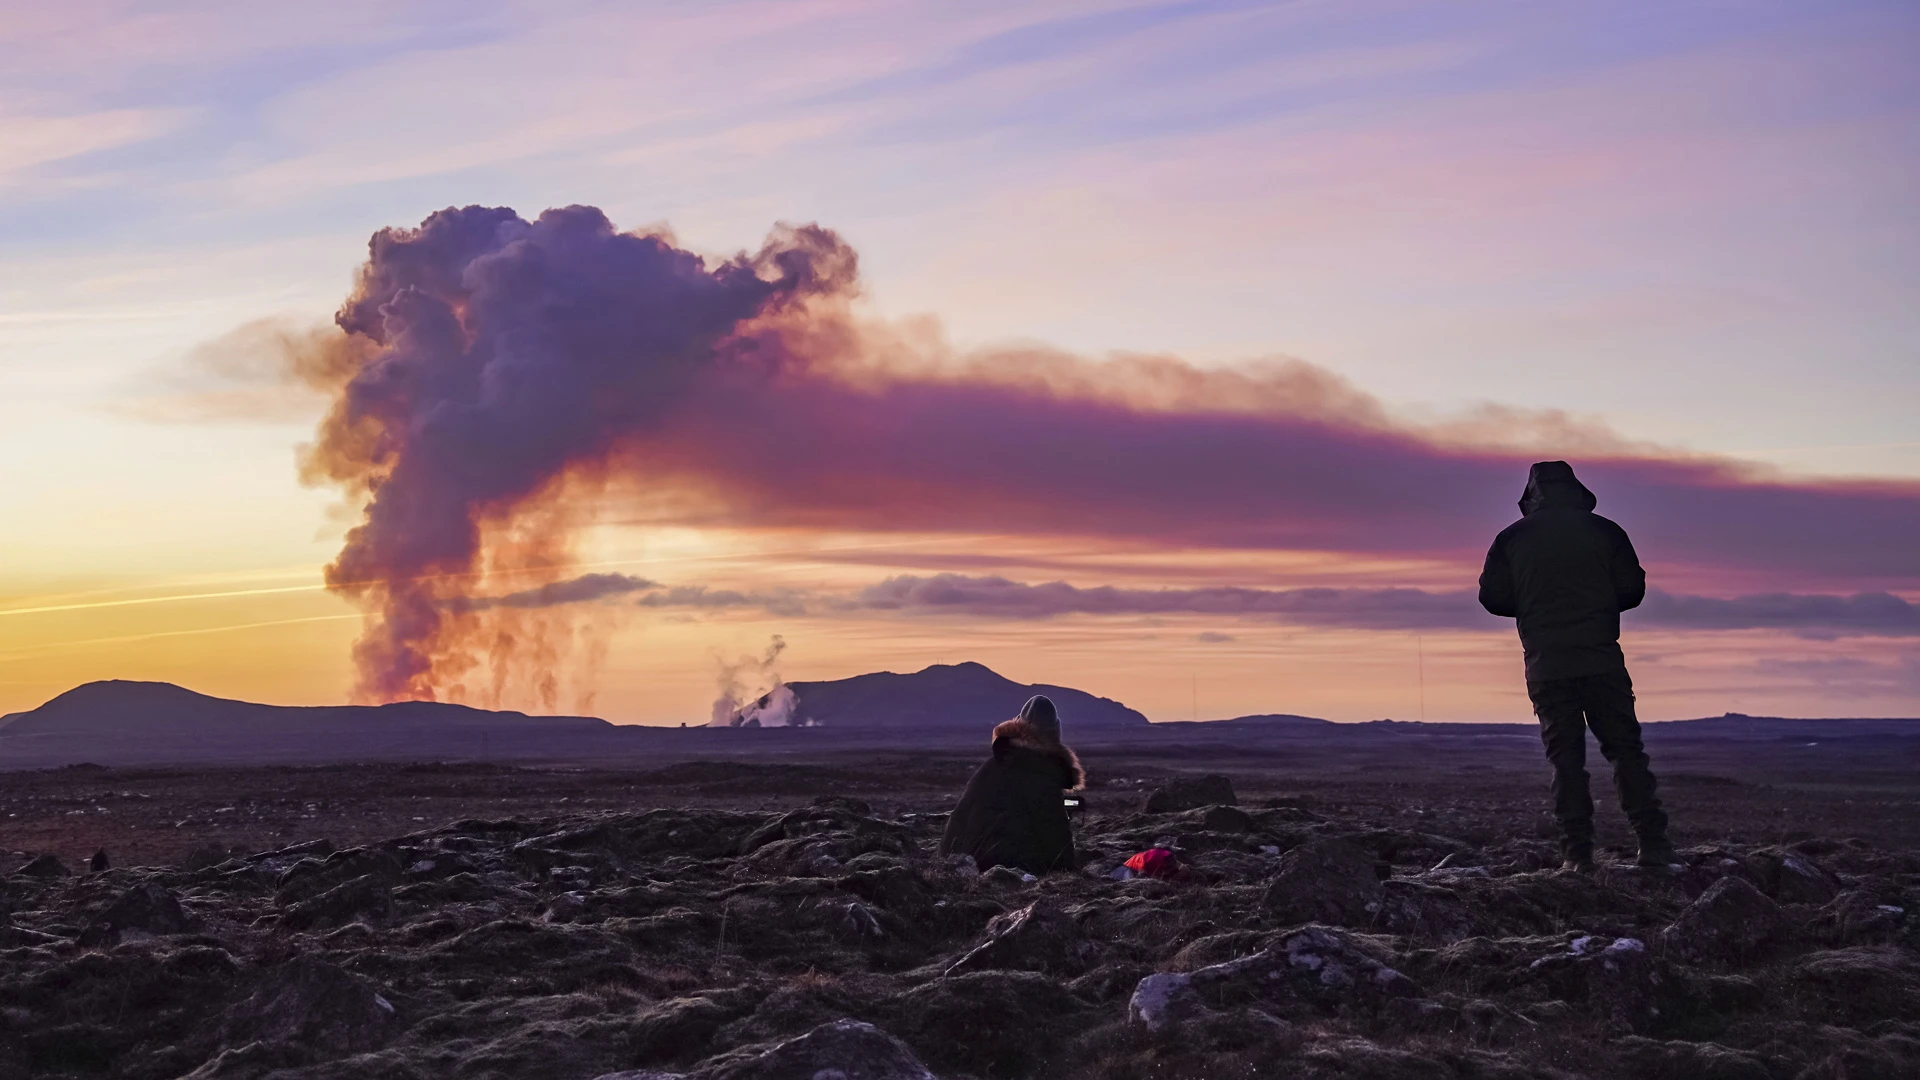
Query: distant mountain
1260	721
945	707
1739	725
942	696
117	708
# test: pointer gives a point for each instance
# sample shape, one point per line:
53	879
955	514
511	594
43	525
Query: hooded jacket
1565	573
1012	813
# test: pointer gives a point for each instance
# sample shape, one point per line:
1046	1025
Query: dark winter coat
1566	574
1012	813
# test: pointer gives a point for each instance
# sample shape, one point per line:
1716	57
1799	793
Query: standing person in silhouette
1013	812
1566	573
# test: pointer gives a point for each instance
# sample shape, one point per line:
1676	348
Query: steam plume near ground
495	377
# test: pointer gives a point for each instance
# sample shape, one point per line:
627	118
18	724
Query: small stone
366	896
841	1050
1038	937
1192	793
1331	881
1227	819
566	907
859	923
1731	920
1159	1001
46	867
314	1006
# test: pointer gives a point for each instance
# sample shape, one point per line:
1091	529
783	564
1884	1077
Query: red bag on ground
1156	863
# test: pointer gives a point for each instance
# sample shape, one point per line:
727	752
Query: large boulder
1314	965
1864	983
1863	917
1676	1059
1792	878
1228	819
842	1050
1038	937
1191	793
148	908
1432	911
310	876
1329	881
46	867
314	1007
367	897
1615	978
999	1023
1730	921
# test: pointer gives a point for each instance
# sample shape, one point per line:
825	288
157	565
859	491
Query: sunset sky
1198	348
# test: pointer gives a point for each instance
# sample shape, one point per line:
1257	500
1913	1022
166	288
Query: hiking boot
1657	853
1582	865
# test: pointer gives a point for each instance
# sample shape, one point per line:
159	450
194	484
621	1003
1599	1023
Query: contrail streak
33	651
158	599
89	605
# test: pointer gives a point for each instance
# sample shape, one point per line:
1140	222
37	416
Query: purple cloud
994	597
495	372
579	590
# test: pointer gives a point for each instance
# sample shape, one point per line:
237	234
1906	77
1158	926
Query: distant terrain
775	916
486	894
945	706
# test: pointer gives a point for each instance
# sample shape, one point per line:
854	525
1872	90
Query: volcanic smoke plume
501	363
494	376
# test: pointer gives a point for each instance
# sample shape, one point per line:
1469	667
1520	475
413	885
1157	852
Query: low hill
1256	722
118	708
943	696
944	707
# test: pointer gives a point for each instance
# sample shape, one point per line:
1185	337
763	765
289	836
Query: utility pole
1196	696
1420	666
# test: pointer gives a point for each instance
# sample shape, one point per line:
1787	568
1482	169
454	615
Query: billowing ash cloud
499	359
494	374
991	457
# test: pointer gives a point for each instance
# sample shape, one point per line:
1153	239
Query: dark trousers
1567	709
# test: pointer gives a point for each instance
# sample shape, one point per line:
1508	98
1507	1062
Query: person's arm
1629	580
1496	582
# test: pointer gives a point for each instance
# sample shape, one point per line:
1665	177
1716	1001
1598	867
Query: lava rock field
829	940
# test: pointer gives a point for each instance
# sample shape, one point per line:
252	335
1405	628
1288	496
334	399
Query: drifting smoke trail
494	375
499	365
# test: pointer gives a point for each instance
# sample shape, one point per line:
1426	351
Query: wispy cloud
578	590
1866	613
1861	614
28	140
999	598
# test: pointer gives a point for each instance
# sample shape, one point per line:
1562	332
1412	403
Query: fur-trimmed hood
1018	735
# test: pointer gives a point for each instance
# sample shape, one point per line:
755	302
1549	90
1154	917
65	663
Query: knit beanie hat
1041	716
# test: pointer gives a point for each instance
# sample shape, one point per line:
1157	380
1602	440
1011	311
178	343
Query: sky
1213	338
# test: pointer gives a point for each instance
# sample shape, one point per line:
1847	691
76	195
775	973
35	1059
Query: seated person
1013	812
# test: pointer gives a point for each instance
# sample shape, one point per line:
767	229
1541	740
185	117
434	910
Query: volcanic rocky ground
1351	916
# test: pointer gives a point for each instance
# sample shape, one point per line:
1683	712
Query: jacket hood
1040	715
1017	734
1552	483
